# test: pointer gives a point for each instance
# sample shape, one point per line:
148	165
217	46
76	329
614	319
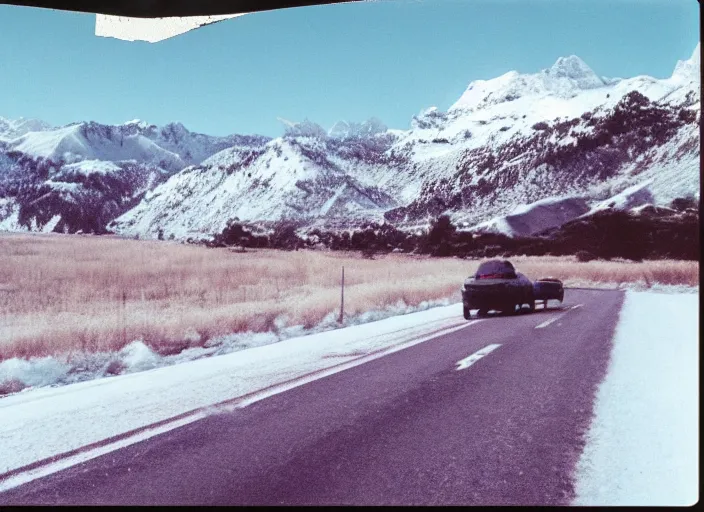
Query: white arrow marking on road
470	360
545	324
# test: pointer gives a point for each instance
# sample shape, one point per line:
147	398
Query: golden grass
62	293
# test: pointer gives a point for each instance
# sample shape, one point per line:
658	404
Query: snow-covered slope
289	178
530	219
633	197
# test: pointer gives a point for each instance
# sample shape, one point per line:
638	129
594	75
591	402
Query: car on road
497	286
548	288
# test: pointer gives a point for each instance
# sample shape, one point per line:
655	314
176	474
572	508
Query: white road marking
17	478
54	467
545	324
351	364
470	360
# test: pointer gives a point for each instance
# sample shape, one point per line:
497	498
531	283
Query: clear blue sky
387	59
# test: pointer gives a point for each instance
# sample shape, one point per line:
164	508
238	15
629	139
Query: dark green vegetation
653	233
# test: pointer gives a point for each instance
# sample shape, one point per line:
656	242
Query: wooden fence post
124	317
342	296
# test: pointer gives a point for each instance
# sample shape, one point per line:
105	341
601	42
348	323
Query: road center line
470	360
21	476
545	324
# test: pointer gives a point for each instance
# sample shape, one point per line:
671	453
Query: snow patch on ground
643	443
10	215
49	226
41	371
636	195
640	286
18	374
92	167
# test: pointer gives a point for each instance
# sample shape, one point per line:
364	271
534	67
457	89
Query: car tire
483	313
531	303
466	312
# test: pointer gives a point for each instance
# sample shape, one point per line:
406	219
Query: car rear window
496	269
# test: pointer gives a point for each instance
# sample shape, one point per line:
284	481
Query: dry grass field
62	293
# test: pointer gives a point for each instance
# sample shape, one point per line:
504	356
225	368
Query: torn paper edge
151	29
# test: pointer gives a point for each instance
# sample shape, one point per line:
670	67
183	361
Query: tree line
604	235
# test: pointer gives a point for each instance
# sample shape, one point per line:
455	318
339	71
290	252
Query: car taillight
492	276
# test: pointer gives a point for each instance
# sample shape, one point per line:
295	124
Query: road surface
491	414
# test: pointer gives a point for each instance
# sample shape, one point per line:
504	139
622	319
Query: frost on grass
18	374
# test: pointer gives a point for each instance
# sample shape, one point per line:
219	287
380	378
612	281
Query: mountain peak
565	78
339	129
576	69
571	67
306	128
136	123
11	128
176	126
690	68
696	54
368	128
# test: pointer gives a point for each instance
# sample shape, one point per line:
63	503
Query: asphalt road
409	428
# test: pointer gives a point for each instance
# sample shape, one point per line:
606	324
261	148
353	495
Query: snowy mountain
81	176
249	185
12	128
564	131
563	140
171	147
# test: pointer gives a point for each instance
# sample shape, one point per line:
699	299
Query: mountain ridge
514	139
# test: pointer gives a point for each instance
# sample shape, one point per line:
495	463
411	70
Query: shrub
441	230
687	116
237	233
285	237
683	203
